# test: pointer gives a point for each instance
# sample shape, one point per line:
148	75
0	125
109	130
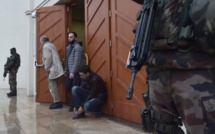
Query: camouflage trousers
189	94
12	80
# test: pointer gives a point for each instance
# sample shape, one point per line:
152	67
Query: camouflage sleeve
168	21
202	15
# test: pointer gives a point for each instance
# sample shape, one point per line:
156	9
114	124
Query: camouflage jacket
170	49
14	61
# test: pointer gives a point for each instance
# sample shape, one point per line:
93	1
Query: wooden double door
108	34
109	25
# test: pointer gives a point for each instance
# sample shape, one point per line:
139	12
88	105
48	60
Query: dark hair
44	39
84	69
75	34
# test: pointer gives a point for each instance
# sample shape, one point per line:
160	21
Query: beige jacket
51	61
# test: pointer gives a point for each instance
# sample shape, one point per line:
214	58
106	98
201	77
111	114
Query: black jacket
95	84
14	61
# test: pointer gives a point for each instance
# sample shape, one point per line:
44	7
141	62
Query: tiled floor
22	115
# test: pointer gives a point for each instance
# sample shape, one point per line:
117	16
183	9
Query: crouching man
90	95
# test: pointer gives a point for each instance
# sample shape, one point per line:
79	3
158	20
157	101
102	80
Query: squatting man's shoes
78	116
80	113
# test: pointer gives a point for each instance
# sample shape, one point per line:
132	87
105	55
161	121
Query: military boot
11	94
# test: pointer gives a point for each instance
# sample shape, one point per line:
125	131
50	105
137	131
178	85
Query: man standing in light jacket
53	67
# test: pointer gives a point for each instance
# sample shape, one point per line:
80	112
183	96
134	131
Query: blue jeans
79	95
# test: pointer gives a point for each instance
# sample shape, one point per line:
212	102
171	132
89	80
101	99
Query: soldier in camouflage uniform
12	66
182	68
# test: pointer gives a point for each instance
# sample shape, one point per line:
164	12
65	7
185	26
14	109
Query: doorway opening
78	22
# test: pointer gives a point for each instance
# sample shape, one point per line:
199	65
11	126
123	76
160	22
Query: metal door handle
38	65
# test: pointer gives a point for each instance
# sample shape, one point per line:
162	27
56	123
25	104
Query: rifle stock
139	52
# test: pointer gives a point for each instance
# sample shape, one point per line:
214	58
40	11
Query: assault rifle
139	52
5	68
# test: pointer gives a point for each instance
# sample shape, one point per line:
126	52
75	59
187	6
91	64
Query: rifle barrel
130	89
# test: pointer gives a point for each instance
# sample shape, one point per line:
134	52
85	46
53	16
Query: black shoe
52	104
56	105
78	116
11	94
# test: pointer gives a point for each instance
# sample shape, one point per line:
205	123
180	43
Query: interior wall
14	33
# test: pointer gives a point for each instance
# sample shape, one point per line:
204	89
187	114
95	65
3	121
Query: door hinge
67	9
112	105
111	74
110	42
110	13
67	30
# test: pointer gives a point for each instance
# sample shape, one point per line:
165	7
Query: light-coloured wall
19	30
14	31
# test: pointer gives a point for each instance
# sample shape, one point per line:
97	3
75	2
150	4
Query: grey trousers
53	87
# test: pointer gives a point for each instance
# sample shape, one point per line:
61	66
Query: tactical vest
185	24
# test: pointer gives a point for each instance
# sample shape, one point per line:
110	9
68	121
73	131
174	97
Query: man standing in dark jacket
90	95
12	66
75	59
